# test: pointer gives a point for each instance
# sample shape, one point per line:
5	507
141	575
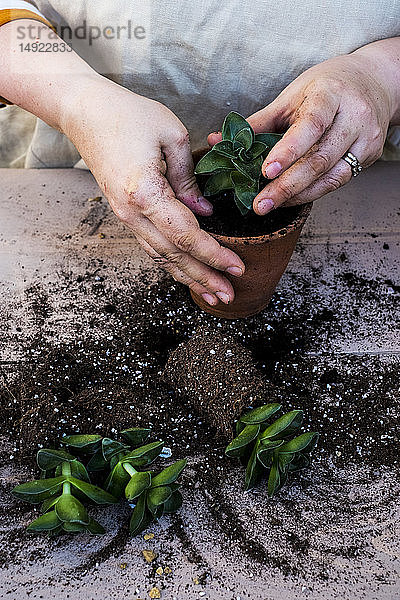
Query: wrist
43	83
381	59
81	96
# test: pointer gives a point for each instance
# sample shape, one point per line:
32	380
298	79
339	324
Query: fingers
322	157
152	211
214	138
339	175
180	174
313	118
335	178
270	119
184	268
181	229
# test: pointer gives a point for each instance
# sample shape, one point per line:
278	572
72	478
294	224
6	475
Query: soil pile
217	376
106	372
227	220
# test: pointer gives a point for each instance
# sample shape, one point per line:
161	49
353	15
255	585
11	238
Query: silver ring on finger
354	163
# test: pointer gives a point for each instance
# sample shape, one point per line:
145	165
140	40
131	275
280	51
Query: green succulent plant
65	482
152	495
62	489
271	449
235	162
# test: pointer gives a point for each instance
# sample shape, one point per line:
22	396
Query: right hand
139	153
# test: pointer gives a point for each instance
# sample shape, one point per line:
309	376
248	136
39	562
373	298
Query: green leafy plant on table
65	482
270	449
235	162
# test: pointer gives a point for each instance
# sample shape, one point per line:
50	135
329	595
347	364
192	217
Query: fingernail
223	297
273	169
205	205
265	206
236	271
210	299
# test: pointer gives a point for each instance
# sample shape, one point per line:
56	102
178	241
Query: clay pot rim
267	237
260	239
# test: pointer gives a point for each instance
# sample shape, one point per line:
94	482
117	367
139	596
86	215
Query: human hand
341	105
140	155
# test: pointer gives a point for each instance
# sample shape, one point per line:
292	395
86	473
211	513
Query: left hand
337	106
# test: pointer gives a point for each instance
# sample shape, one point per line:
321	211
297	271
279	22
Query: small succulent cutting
271	449
63	487
235	162
65	482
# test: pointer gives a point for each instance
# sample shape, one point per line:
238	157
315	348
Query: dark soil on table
227	220
114	380
111	374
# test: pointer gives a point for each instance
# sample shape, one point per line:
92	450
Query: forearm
43	83
383	58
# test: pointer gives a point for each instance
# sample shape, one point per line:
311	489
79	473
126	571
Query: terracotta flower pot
266	258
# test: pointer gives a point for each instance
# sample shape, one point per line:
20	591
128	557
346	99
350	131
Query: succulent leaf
92	492
69	509
237	446
300	461
239	426
170	474
301	442
144	455
38	490
173	503
233	123
117	481
243	209
284	460
49	503
88	443
257	149
136	436
48	459
245	137
46	522
251	170
157	496
284	425
95	528
218	182
212	162
110	448
260	414
138	520
69	527
97	462
225	148
266	451
269	139
273	480
138	483
245	190
77	470
253	470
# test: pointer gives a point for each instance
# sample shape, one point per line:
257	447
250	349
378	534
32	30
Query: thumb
214	137
180	174
268	120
